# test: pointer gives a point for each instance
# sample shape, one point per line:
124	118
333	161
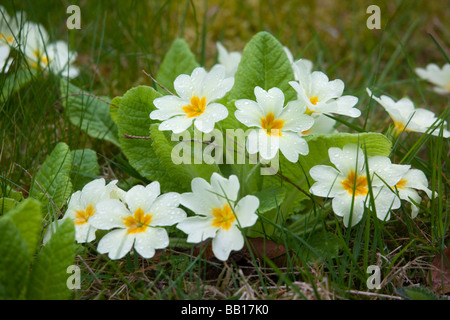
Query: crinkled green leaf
417	293
11	193
54	177
264	63
134	123
322	245
114	108
85	167
14	260
178	60
7	204
270	198
181	173
88	113
27	218
48	278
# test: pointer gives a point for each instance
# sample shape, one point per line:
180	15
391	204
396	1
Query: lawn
102	135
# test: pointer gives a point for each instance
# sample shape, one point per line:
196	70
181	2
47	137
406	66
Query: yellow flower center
401	184
40	58
223	217
8	39
196	108
269	123
399	127
82	216
314	100
356	183
138	222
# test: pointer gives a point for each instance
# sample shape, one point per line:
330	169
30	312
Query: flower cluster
354	183
136	218
33	40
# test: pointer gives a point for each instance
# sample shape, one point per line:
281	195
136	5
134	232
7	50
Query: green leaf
178	60
48	278
88	113
417	293
11	193
264	63
134	120
85	167
14	82
322	245
270	198
54	177
7	204
114	108
27	218
14	260
182	173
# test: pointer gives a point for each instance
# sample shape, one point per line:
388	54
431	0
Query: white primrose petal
384	172
168	106
268	145
94	191
411	196
291	145
153	238
142	197
109	214
201	188
228	188
248	112
345	106
227	240
270	101
328	181
215	84
352	214
116	243
184	87
165	211
347	159
295	119
252	141
416	179
245	211
197	228
198	80
322	125
177	124
385	200
85	233
213	113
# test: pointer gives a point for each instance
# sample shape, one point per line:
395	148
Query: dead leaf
440	272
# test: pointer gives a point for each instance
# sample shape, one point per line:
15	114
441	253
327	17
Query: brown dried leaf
440	272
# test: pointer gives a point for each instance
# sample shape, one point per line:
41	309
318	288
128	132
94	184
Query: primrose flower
230	60
408	118
411	181
137	221
41	54
437	76
219	215
195	103
9	27
83	206
348	184
321	95
280	128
